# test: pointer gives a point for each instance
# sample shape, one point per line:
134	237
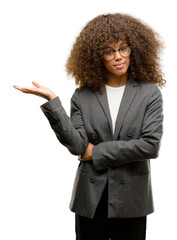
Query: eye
123	49
109	52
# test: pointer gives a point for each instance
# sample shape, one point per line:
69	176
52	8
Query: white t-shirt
114	95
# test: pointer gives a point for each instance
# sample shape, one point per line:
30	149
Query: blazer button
91	180
122	182
129	134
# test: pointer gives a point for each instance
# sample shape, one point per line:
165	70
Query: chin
121	73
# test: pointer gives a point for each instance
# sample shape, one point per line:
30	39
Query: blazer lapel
104	104
127	99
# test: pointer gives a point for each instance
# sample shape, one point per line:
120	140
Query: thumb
36	84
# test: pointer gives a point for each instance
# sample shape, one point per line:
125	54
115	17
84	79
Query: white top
114	95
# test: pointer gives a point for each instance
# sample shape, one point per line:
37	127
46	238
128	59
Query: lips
118	65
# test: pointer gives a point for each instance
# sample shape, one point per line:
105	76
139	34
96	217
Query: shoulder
148	86
151	93
149	89
84	91
82	95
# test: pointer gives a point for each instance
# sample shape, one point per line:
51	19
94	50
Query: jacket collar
127	99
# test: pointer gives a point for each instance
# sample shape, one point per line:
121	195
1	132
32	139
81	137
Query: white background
36	172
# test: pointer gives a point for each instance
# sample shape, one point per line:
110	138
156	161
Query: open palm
39	90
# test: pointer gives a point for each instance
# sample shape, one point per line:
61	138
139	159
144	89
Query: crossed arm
105	154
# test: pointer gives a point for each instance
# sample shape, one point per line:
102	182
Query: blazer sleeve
117	153
70	131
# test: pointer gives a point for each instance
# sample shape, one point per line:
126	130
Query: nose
117	55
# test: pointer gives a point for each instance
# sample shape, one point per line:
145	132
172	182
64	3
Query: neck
116	81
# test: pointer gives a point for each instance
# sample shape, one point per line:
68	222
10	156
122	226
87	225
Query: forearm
74	139
117	153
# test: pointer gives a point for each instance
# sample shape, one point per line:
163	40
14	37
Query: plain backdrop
36	171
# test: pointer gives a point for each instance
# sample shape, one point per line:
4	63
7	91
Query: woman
115	125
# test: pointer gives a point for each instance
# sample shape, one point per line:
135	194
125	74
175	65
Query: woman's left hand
87	155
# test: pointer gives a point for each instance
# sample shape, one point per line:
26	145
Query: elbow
75	147
77	150
153	150
154	155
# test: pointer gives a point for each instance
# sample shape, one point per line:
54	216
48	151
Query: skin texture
39	90
117	69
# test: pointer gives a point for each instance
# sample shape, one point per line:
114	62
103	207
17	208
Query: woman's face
119	65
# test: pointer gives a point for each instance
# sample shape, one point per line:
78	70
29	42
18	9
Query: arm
70	132
116	153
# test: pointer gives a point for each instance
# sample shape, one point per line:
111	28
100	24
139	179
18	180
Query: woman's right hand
39	90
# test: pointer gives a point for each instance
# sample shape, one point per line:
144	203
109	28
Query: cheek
105	64
128	61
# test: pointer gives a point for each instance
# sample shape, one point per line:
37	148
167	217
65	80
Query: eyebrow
119	46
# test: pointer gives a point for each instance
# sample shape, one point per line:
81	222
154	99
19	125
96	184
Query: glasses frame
118	50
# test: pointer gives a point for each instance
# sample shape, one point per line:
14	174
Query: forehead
116	44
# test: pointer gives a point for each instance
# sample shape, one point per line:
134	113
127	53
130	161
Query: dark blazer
121	159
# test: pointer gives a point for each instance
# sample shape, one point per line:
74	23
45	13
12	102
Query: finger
27	90
21	89
36	84
31	90
17	87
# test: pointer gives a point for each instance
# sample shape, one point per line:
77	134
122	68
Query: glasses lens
109	55
125	51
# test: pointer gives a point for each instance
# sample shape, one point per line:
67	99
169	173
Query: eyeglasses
110	54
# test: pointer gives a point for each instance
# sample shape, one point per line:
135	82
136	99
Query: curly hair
85	62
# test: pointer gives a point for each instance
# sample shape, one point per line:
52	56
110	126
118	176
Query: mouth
119	65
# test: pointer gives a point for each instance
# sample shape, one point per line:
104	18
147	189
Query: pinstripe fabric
122	159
